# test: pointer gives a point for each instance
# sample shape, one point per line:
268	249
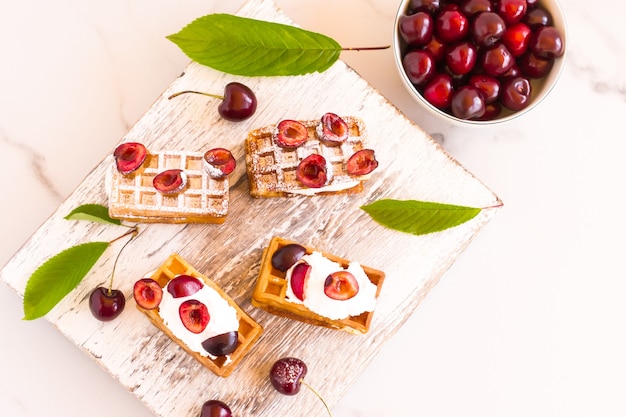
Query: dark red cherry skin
334	130
222	160
299	277
467	103
537	17
497	60
184	286
461	57
451	25
287	256
532	66
287	374
129	156
488	28
516	93
438	91
106	304
430	6
488	86
171	181
311	171
362	162
546	42
291	134
517	38
215	408
512	11
492	111
419	66
221	344
416	29
341	285
471	8
147	293
239	102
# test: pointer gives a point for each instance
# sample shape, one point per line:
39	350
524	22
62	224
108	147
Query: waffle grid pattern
205	199
271	289
249	330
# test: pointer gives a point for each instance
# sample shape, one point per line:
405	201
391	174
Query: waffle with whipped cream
204	200
248	333
271	293
272	169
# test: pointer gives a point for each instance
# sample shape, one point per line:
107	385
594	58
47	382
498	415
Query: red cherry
215	408
419	66
311	171
285	257
546	42
416	29
451	25
129	156
534	67
170	181
106	304
184	286
341	285
436	48
291	134
467	103
471	8
334	130
516	93
147	293
488	28
517	38
461	57
489	87
439	90
299	276
362	162
238	102
512	11
430	6
497	60
194	315
287	374
221	344
221	160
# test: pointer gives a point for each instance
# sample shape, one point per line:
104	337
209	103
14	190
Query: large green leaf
59	275
250	47
418	217
92	212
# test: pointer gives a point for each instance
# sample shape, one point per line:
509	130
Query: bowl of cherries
479	62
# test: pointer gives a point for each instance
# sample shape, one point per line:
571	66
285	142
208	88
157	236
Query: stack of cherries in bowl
479	61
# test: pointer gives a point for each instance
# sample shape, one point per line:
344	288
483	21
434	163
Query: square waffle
272	169
134	198
249	330
271	289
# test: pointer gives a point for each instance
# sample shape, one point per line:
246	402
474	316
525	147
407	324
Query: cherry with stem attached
238	101
107	303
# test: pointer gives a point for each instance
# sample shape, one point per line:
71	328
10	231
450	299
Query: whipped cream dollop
317	301
223	317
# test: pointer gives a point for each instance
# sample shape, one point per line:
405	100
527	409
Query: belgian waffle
249	330
272	169
204	199
271	291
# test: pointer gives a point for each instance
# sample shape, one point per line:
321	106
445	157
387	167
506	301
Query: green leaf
92	212
59	275
250	47
418	217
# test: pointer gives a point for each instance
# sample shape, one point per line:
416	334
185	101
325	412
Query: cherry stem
132	232
217	96
367	48
317	395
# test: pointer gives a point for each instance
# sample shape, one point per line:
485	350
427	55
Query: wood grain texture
162	375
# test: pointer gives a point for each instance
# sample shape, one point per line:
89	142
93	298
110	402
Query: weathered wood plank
172	384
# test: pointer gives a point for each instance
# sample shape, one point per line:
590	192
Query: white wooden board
159	373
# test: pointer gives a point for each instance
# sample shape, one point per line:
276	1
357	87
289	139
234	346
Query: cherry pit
475	59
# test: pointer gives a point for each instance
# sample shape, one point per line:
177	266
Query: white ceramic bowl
540	87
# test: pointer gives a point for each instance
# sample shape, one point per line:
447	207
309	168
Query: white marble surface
529	321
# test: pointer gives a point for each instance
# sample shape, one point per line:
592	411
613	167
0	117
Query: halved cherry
311	171
184	286
170	181
194	315
341	285
285	257
129	157
221	344
332	129
291	134
221	162
299	276
147	293
362	162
